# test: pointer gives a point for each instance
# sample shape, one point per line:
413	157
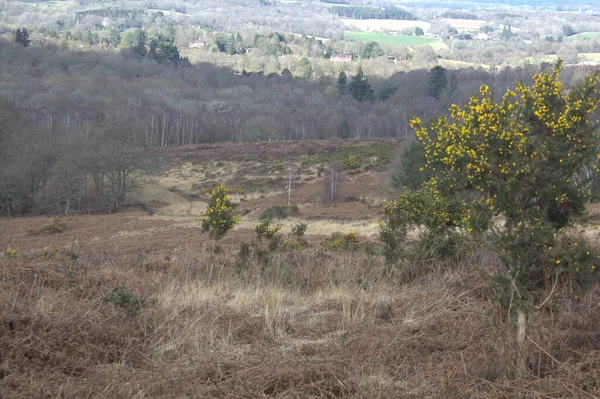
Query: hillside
137	303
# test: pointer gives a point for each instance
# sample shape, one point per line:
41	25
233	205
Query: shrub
8	253
279	212
520	160
221	216
121	297
341	242
55	226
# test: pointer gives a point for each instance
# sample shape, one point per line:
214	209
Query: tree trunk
521	334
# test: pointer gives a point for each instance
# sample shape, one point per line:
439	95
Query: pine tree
22	37
341	83
437	81
360	88
344	130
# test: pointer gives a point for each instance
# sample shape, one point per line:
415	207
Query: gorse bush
57	225
221	215
514	169
8	253
341	242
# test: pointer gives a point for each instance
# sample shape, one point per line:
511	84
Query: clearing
584	36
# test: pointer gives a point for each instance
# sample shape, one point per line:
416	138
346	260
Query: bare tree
333	184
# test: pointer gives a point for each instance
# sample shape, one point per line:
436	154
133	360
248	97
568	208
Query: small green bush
279	212
121	297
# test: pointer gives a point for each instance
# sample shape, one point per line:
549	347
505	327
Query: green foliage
121	297
136	41
515	165
265	230
269	242
279	212
344	130
221	215
163	51
387	91
298	230
368	157
393	237
304	68
347	242
22	37
568	30
341	82
437	81
360	12
412	173
507	33
360	88
419	31
371	50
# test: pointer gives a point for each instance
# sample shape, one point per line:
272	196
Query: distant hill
462	4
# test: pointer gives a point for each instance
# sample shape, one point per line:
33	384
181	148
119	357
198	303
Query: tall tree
344	130
341	83
360	88
437	81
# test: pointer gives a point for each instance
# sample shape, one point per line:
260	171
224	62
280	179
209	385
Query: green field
385	38
584	35
590	56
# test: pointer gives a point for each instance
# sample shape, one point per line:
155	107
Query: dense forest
372	13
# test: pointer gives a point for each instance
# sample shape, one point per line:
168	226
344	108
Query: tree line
73	125
359	12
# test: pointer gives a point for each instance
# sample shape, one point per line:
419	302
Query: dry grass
306	324
309	324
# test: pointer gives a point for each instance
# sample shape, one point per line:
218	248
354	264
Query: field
584	35
142	304
590	56
379	25
404	40
452	64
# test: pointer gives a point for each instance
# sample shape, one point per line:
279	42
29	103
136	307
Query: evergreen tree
22	37
114	37
419	31
344	130
341	82
437	81
386	91
360	88
568	30
453	83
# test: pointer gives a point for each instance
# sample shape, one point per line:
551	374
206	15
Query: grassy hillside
141	304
